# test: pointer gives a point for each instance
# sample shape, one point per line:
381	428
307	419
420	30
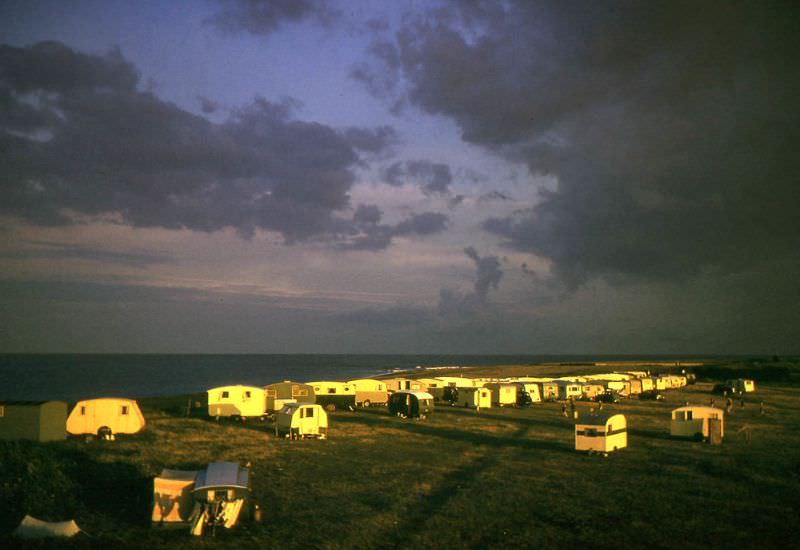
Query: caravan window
688	415
309	412
124	411
331	390
224	395
271	393
83	410
247	395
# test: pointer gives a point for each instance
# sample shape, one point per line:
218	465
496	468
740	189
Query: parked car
607	397
651	395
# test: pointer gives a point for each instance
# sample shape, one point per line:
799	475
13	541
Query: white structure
243	401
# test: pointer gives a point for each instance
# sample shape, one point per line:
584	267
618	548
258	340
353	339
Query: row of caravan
254	401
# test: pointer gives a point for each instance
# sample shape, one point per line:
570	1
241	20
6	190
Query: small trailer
221	493
600	433
281	393
411	404
698	422
35	420
105	417
568	390
334	395
302	420
237	401
476	398
503	395
549	391
370	392
533	390
590	392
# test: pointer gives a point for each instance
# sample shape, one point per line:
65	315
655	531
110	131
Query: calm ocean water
73	377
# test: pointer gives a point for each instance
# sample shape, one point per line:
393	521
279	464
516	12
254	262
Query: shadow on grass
56	482
652	434
464	436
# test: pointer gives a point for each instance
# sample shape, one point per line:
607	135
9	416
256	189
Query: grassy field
461	479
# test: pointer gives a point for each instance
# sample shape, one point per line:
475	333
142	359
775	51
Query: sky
300	176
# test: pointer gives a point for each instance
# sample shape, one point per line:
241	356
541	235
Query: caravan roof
417	394
222	474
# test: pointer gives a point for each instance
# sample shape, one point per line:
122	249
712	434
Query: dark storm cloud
263	17
77	136
488	274
369	234
671	127
432	177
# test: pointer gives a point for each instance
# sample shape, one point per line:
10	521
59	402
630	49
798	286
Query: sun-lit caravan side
698	422
243	401
370	392
105	417
601	433
280	393
301	420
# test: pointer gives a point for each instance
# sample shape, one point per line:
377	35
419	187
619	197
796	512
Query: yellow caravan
601	433
474	397
533	390
503	395
591	391
370	392
301	420
622	387
697	422
568	389
244	401
647	384
105	417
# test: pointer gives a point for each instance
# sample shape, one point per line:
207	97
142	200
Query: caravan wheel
105	434
366	403
330	407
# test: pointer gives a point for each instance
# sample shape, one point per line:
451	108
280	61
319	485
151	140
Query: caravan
241	401
105	417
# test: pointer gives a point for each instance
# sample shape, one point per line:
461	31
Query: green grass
505	477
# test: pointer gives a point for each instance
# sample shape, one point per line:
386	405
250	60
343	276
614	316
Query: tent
172	496
35	420
32	528
106	416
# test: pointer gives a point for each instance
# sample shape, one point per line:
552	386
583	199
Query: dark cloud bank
671	126
77	135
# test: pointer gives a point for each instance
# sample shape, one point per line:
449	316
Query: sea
71	377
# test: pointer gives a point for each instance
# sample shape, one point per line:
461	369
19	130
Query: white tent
32	528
